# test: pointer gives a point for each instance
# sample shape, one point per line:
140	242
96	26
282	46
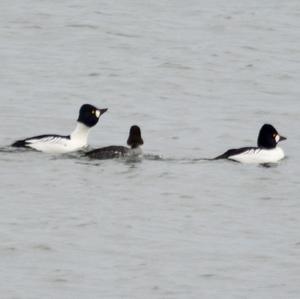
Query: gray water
198	77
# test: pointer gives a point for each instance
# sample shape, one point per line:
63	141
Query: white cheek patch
98	113
277	138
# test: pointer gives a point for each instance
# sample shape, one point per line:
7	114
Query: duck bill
281	138
99	112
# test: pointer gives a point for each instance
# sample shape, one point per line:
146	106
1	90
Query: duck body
60	144
117	151
266	151
108	152
250	155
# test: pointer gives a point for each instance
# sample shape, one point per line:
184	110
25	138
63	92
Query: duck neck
80	133
135	145
137	150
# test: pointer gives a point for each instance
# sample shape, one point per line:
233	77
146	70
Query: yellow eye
93	112
274	135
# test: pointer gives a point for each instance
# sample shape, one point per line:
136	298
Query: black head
268	137
89	115
135	137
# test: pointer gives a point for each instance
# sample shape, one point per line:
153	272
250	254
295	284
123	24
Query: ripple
84	26
186	196
266	198
60	280
208	275
94	75
121	34
10	149
8	248
171	65
152	157
85	224
42	247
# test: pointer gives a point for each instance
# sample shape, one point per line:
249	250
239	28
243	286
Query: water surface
198	77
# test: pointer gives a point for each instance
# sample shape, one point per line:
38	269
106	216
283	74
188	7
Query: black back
19	143
135	137
108	152
234	151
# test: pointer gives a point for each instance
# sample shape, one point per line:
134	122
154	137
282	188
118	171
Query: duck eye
274	135
93	111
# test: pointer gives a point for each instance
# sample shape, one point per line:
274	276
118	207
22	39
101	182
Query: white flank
259	156
61	145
